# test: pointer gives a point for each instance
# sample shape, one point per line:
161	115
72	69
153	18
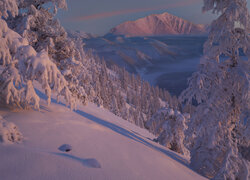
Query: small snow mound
92	163
9	132
65	148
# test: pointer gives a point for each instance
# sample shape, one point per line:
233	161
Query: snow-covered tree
37	23
114	102
23	66
221	87
173	133
170	125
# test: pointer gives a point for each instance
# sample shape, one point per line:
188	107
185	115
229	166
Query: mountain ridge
158	24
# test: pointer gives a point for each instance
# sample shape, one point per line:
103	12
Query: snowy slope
158	24
98	139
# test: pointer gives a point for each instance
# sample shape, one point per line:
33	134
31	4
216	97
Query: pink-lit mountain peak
158	24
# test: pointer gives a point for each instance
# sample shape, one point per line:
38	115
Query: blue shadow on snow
91	163
132	136
118	130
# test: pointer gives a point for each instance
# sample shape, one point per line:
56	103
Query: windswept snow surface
104	147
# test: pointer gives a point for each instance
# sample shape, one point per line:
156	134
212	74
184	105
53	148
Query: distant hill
80	34
158	24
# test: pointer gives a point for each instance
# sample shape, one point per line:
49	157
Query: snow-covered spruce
23	66
9	132
217	134
37	23
170	126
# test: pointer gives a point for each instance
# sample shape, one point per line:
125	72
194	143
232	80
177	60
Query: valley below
164	61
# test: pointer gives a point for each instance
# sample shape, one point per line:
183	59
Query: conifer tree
221	87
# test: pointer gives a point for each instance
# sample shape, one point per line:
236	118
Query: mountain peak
158	24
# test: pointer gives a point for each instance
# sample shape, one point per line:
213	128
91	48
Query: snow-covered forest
63	66
208	123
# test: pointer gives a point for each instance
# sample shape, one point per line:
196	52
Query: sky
99	16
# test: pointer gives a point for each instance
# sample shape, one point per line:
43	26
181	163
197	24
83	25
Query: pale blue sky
85	15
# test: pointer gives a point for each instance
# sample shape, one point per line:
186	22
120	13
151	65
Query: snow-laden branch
25	65
8	7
